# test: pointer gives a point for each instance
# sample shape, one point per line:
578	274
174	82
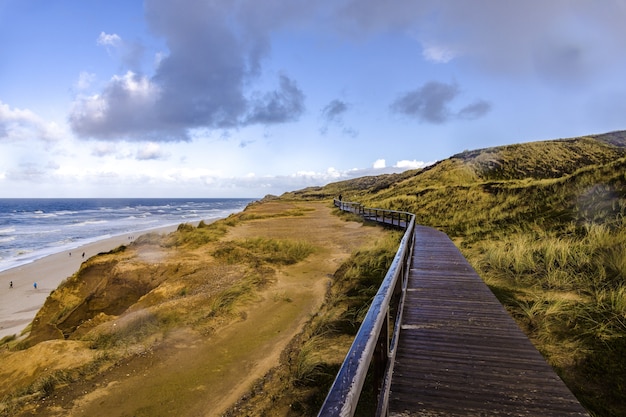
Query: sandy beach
19	304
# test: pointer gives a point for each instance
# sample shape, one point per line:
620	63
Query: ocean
31	229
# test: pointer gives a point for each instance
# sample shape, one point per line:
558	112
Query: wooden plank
460	353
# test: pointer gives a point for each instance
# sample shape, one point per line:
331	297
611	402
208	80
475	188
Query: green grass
244	290
187	235
314	357
311	366
543	224
328	335
265	250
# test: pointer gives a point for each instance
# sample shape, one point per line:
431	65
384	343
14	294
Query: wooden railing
376	341
388	217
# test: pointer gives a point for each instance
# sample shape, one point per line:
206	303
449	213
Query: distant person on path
83	254
340	197
35	285
11	284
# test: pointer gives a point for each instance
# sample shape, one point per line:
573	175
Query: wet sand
19	305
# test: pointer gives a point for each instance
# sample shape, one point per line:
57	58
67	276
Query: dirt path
190	375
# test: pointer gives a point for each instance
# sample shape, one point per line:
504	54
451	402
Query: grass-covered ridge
543	224
268	297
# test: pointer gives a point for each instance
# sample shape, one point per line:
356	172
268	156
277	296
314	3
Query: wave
66	213
43	215
88	223
33	228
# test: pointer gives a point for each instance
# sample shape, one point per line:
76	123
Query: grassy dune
543	224
252	315
203	320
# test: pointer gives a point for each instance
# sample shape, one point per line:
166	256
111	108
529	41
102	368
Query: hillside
252	315
543	224
196	321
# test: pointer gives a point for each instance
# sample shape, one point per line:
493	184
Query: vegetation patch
188	236
309	365
267	250
543	224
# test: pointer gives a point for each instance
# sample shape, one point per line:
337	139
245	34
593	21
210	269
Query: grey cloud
432	104
214	55
562	63
513	38
332	114
475	110
201	79
334	111
216	50
126	109
283	105
133	54
429	103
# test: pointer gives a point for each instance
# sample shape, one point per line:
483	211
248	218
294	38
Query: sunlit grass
261	249
329	333
543	224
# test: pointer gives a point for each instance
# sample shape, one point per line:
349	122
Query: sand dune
19	305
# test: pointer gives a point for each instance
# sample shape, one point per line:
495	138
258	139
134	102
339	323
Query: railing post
381	358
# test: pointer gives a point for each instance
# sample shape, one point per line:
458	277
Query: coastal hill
543	224
170	318
197	321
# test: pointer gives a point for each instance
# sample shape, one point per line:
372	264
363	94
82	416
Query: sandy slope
187	373
18	305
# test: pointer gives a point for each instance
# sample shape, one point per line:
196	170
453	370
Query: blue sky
243	98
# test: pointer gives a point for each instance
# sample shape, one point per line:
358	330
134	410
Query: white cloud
432	103
414	164
109	39
151	150
379	164
23	124
85	80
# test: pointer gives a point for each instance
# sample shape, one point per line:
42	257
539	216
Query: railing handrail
373	341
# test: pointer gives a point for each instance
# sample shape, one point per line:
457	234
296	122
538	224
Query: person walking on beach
11	284
35	285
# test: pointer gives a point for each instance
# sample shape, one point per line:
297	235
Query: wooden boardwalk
460	353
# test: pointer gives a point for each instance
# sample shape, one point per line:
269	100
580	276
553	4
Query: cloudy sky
243	98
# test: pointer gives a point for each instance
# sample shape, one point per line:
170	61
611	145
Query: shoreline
20	304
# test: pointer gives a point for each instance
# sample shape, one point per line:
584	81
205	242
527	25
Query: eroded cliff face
104	287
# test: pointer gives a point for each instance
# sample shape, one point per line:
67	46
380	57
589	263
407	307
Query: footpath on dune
190	373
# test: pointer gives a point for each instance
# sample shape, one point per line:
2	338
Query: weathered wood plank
460	353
